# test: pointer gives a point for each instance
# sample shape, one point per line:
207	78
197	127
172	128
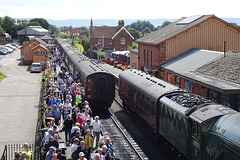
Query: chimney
121	23
91	29
91	23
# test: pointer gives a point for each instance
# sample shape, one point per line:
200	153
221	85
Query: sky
117	9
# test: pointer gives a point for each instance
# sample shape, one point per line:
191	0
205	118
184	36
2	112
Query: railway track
124	146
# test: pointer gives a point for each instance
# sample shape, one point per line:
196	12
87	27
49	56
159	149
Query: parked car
3	52
9	49
5	49
11	46
36	67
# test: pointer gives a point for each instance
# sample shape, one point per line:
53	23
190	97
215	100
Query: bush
101	54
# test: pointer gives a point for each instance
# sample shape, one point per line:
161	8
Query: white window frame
110	41
123	41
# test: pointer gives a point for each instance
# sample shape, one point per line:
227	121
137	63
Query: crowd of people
69	112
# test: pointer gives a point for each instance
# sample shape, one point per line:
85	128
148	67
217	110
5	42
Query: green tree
86	43
64	29
141	25
236	25
43	22
165	23
34	23
1	30
147	30
21	24
53	29
8	24
134	33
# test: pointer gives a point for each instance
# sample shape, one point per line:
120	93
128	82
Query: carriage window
147	104
196	129
135	95
207	125
143	101
139	97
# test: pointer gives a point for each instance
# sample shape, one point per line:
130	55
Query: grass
1	76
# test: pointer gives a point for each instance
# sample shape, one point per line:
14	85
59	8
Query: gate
11	149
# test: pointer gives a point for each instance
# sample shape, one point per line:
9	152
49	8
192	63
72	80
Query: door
101	89
196	141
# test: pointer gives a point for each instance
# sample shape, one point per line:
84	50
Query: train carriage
98	83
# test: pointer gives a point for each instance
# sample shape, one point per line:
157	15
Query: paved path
19	98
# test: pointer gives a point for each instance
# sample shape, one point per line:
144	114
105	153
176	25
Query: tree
8	24
236	25
53	29
43	22
147	30
165	23
21	24
141	25
134	33
1	30
84	31
64	29
34	23
86	43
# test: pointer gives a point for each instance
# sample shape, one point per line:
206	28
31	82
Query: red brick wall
117	41
151	58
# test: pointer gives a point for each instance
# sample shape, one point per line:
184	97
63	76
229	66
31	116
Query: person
60	156
99	151
23	156
79	99
54	156
59	105
88	142
82	156
102	139
55	76
85	117
75	128
49	144
68	123
55	141
17	156
79	119
55	131
69	97
28	152
74	114
96	129
109	145
78	136
54	67
56	114
86	126
74	146
64	112
50	153
88	109
105	153
91	131
69	106
96	156
48	135
81	148
48	113
50	101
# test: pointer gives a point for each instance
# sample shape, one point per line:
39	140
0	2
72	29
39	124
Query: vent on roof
189	19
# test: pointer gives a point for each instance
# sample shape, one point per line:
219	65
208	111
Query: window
147	57
151	59
177	80
144	56
143	101
225	101
110	41
169	78
187	85
122	40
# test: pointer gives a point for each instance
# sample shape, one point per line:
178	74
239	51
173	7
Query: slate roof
39	45
191	60
47	37
225	68
33	30
134	50
169	31
106	31
41	41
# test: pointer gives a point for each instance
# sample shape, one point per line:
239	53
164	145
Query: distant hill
114	22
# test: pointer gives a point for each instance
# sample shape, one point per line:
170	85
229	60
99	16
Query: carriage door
196	143
101	89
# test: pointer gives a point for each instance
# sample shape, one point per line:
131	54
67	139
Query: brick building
206	73
34	51
204	32
115	38
134	58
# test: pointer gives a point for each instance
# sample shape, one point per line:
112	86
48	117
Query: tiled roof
169	31
41	41
225	68
47	37
40	45
106	31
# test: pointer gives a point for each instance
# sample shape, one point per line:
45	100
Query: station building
203	31
36	31
113	38
34	51
210	74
